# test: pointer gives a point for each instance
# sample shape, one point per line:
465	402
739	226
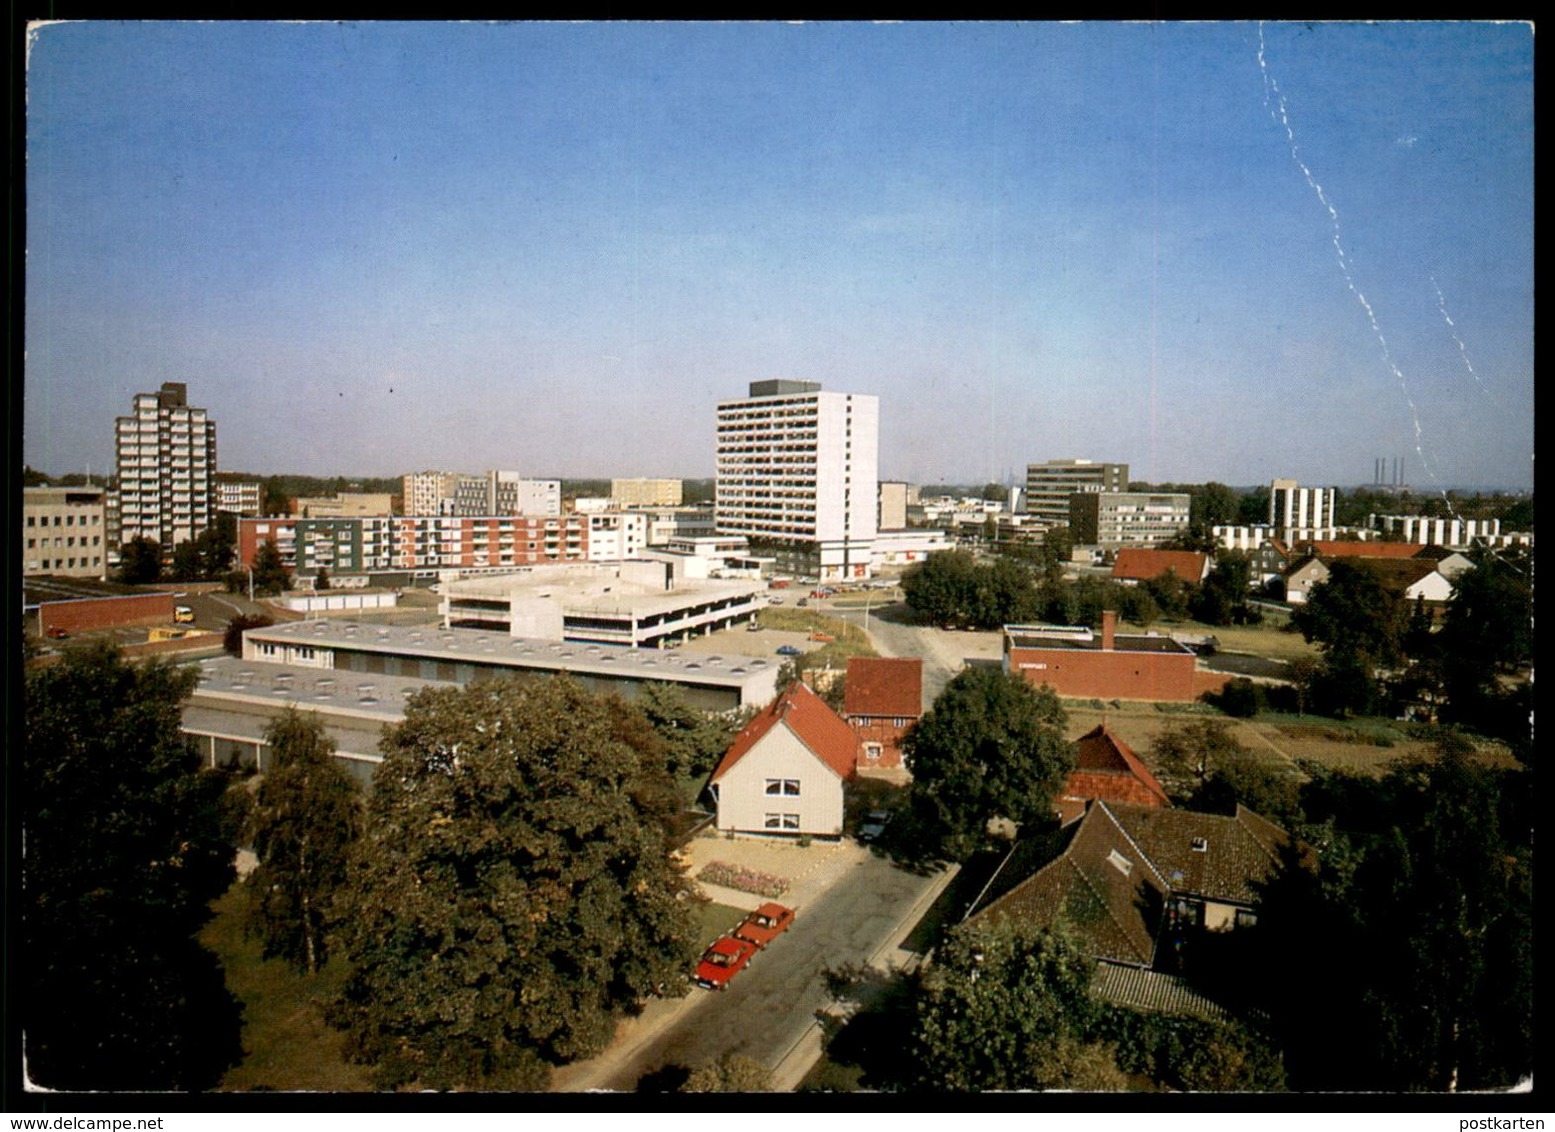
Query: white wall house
785	771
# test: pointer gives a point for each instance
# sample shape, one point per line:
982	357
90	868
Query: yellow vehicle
183	614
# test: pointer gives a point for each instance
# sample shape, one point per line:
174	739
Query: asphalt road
893	638
771	1005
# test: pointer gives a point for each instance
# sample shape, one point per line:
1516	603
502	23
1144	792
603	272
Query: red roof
884	686
1100	752
1139	564
814	724
1337	549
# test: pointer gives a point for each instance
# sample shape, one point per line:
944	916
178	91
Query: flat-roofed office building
710	682
1049	486
64	531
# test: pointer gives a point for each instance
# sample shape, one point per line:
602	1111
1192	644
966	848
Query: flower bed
743	879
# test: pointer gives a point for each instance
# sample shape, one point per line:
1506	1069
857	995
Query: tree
694	740
1003	1008
1487	632
1222	599
731	1073
1425	888
992	746
1210	765
186	562
270	575
140	562
321	580
942	588
305	818
1214	505
232	641
125	850
1360	624
512	888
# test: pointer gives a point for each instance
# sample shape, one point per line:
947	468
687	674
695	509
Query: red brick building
882	700
1107	770
1106	665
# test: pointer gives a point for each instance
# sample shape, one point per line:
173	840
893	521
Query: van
182	613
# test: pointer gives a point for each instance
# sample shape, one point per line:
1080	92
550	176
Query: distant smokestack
1109	629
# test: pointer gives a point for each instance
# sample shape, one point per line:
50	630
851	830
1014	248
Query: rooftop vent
1200	845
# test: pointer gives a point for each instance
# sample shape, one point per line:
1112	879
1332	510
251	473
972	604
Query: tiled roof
1237	852
1100	752
888	686
1139	563
1400	574
1112	880
1101	886
814	724
1154	992
1373	549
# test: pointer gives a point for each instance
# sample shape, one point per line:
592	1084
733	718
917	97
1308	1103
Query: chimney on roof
1109	629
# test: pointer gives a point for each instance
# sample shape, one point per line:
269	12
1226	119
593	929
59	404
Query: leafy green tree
1245	778
186	562
140	562
992	746
694	740
232	641
125	850
1172	594
942	588
1222	599
270	574
512	891
731	1073
1425	888
1191	752
1214	505
1360	624
1001	1008
1486	633
305	818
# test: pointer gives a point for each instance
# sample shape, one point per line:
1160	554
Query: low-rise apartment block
64	531
647	492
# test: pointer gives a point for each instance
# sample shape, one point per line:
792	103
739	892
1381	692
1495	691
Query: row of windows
32	543
68	520
95	563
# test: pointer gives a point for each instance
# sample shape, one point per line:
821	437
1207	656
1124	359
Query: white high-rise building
1302	513
799	468
166	458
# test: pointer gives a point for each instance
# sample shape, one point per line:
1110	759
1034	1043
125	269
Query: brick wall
106	612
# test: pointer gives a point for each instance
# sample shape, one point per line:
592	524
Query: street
771	1006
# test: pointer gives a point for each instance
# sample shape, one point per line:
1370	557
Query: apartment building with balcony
647	492
798	470
165	458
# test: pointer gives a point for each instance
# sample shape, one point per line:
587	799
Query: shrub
743	879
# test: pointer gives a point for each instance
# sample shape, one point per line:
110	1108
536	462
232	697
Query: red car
765	924
723	960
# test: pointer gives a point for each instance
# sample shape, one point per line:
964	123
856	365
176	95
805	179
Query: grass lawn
713	920
287	1045
849	638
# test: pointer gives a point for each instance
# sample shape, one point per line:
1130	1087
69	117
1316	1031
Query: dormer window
1200	845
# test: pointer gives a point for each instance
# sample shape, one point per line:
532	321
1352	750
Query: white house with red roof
784	772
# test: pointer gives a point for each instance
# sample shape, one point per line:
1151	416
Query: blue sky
377	248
